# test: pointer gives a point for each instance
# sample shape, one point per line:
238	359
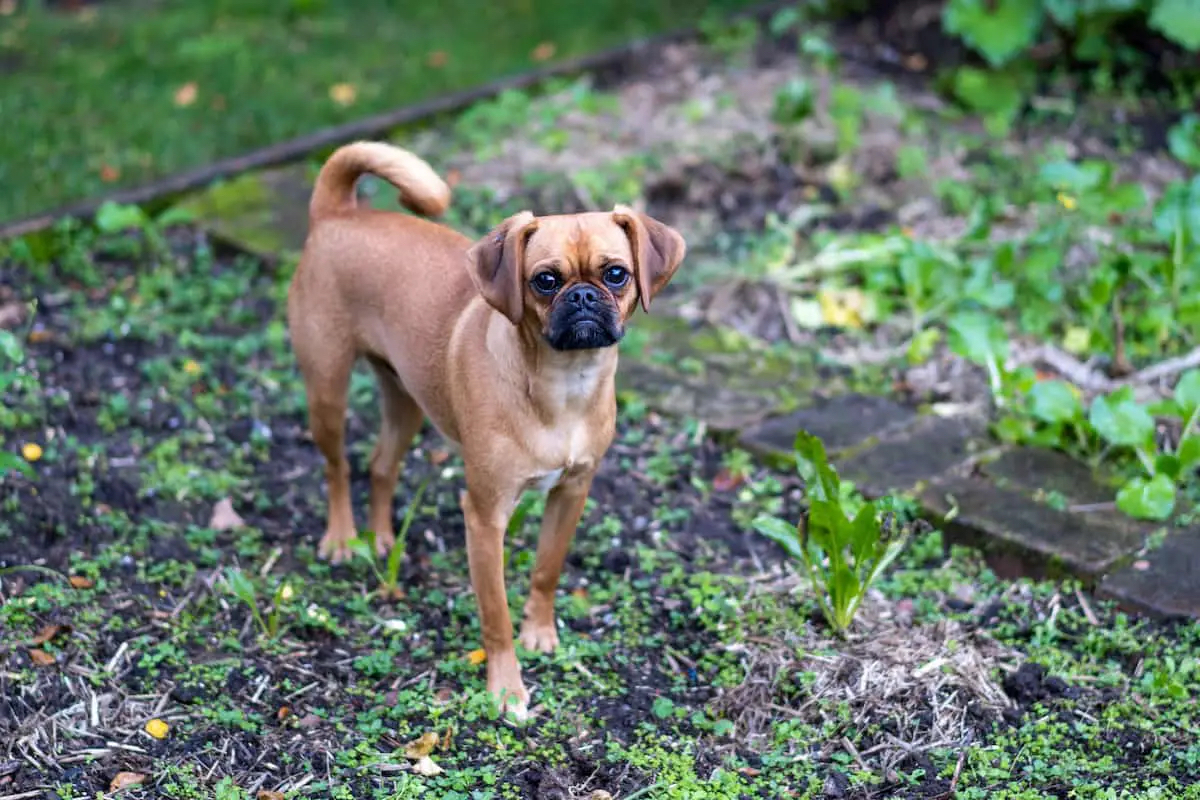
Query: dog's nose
583	295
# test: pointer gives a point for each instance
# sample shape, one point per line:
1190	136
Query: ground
167	622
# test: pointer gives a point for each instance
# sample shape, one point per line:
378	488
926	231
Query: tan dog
507	345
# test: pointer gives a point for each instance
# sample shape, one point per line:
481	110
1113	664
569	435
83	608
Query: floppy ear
495	264
657	249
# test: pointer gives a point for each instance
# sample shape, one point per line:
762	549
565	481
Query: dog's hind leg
401	420
326	370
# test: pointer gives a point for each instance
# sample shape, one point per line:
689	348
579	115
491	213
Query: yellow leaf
419	748
477	657
157	728
80	582
191	367
31	451
1067	201
842	308
186	95
343	93
123	780
427	767
1078	340
267	794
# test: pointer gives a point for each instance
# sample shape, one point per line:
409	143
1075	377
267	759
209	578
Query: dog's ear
657	249
495	264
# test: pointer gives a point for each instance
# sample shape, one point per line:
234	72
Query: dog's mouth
583	332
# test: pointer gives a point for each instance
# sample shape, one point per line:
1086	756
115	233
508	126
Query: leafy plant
389	575
843	550
241	587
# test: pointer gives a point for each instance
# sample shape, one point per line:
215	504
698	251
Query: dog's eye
545	282
616	277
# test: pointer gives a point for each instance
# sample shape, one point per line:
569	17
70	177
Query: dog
507	344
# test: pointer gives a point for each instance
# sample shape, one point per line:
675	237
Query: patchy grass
694	662
154	393
120	92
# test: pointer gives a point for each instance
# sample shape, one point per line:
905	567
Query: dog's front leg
564	507
486	516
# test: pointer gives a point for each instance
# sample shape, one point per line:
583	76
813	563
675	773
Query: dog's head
576	277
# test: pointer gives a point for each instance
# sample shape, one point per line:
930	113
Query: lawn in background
120	92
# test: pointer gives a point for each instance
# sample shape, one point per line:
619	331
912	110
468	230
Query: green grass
89	100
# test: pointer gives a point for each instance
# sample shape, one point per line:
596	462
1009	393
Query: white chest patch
548	481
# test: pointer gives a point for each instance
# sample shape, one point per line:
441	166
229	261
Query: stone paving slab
1035	538
841	423
1034	512
1165	581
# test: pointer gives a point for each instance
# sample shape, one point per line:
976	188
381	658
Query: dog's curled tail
421	190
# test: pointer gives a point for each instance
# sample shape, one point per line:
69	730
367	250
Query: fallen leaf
186	95
123	780
599	794
427	768
12	314
544	51
49	632
750	772
438	457
580	594
477	657
266	794
109	173
31	451
39	335
343	93
157	728
447	738
843	308
727	481
224	518
41	657
80	582
444	695
437	59
419	748
309	721
916	62
283	713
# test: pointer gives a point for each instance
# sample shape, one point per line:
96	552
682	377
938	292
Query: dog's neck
555	381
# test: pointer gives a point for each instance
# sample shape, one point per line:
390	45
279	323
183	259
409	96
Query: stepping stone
931	446
1164	582
841	423
1028	538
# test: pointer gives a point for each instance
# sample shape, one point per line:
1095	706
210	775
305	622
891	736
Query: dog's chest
566	452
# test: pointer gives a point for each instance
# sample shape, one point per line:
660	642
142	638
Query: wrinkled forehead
578	239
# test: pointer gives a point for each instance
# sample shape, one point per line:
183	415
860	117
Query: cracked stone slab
1025	537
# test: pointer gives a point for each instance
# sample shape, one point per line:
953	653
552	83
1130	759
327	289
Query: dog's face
576	277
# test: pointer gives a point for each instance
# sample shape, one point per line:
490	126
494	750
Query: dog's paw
513	704
539	638
385	540
334	547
